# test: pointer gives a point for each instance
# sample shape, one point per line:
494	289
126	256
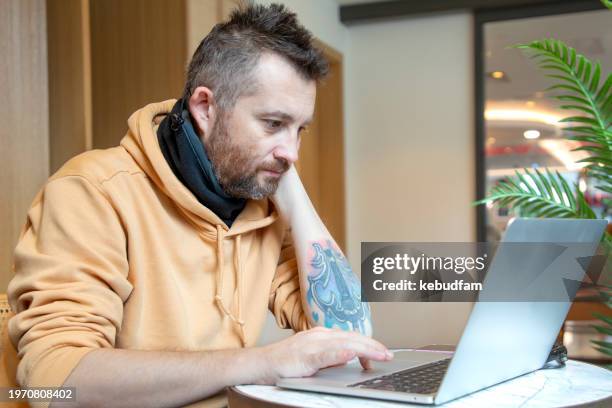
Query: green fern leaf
595	78
604	89
577	71
576	107
580	119
603	330
586	77
605	348
596	160
563	86
540	195
570	98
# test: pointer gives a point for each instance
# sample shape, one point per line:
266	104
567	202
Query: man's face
252	147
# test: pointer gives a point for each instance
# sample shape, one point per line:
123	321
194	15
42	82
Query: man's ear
202	108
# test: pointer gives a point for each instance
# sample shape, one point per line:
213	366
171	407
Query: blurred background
522	127
425	109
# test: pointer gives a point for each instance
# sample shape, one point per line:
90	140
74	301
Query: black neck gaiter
187	158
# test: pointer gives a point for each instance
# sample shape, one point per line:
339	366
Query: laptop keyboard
423	379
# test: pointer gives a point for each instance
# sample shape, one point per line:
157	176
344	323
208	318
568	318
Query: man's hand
306	352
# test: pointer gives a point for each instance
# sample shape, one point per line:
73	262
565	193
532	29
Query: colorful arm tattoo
335	290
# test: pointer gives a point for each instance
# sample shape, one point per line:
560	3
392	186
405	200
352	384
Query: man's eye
273	124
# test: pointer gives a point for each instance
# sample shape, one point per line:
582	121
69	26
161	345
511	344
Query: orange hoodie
117	252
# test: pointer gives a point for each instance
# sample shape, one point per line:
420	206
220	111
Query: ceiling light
521	115
498	74
531	134
491	140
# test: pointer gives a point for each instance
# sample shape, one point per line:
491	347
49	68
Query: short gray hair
225	59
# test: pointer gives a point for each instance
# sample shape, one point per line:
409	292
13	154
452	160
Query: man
144	271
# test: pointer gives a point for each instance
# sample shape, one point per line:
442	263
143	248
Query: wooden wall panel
202	15
24	134
138	53
70	120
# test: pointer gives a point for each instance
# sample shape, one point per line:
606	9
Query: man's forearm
332	292
132	378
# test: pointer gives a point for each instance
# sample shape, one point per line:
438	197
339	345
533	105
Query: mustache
279	166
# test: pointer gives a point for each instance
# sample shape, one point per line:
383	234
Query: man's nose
288	150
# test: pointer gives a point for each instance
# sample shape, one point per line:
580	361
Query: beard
235	169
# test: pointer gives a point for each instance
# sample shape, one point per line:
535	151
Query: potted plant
582	87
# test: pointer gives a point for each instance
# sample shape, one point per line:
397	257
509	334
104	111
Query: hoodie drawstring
219	282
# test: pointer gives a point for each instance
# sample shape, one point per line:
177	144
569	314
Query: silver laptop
502	339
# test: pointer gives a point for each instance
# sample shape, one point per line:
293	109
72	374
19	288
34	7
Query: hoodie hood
142	144
185	153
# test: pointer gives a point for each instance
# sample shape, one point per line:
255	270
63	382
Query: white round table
575	384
